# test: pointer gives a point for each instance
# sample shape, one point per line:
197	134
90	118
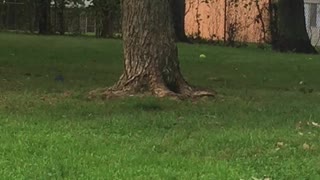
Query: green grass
49	130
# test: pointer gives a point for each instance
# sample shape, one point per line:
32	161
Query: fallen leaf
306	146
315	124
216	79
67	94
180	117
280	144
299	125
300	133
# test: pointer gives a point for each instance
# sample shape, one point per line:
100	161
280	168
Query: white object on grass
202	56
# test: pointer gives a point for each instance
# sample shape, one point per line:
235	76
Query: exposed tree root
161	91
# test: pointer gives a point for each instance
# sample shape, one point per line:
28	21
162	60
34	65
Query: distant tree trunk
178	10
273	16
44	16
292	33
107	25
150	53
11	11
2	15
61	17
31	13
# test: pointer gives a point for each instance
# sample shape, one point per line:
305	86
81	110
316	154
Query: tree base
159	90
296	46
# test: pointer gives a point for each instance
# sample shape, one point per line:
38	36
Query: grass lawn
259	126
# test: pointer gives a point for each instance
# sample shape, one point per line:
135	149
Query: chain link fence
21	16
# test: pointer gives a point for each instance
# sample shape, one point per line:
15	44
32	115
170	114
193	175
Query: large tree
178	10
291	32
150	53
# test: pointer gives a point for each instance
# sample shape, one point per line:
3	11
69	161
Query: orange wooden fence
246	20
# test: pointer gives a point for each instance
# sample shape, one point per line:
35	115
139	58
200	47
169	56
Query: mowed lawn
263	124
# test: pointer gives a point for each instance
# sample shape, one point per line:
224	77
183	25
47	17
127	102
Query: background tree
60	8
150	53
291	29
178	10
3	12
107	15
43	9
30	14
13	14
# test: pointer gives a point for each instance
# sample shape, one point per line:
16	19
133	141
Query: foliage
63	3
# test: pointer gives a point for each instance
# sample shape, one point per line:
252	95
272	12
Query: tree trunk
292	33
273	16
150	53
31	14
44	16
2	15
107	25
61	17
178	10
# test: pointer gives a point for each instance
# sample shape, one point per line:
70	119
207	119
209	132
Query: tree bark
44	16
292	33
150	53
178	10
